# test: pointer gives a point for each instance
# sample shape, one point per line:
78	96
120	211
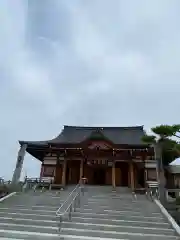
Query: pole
19	164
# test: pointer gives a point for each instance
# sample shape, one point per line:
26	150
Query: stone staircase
103	215
31	215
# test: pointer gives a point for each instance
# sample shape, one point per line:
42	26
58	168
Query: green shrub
9	188
3	188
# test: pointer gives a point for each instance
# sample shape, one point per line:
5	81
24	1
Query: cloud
93	62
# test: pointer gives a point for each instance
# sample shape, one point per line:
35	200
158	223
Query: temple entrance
124	174
67	175
141	178
72	172
99	176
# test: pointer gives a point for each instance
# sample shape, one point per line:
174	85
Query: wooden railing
174	191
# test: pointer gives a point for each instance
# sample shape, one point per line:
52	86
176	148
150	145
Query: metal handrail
75	202
24	186
67	199
152	190
152	193
35	187
134	195
71	207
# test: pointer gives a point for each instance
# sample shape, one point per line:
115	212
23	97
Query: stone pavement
103	215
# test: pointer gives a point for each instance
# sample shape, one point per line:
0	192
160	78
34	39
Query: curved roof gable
117	135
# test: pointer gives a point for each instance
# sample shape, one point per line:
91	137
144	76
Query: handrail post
152	190
70	212
60	222
75	202
134	195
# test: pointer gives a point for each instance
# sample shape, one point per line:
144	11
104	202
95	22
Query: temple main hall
104	155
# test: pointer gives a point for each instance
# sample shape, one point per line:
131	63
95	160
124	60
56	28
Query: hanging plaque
109	163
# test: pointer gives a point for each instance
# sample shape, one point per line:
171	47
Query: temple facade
104	155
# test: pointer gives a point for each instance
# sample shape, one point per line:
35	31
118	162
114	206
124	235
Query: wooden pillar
42	170
64	172
135	171
81	170
113	174
144	169
129	178
132	181
19	164
145	176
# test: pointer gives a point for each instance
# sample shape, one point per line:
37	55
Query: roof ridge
103	127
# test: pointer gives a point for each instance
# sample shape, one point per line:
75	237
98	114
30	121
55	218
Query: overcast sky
86	62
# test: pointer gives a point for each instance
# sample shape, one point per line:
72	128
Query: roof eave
35	143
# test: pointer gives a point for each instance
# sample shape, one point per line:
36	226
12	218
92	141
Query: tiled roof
117	135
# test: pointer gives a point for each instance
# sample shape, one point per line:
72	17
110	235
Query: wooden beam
113	175
81	169
64	173
131	170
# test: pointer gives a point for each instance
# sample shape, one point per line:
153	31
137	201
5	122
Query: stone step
117	228
26	210
28	215
51	215
28	235
120	216
125	203
33	201
44	236
97	221
105	216
40	207
120	207
43	197
29	227
110	194
107	197
25	235
114	234
119	201
123	222
119	212
28	221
